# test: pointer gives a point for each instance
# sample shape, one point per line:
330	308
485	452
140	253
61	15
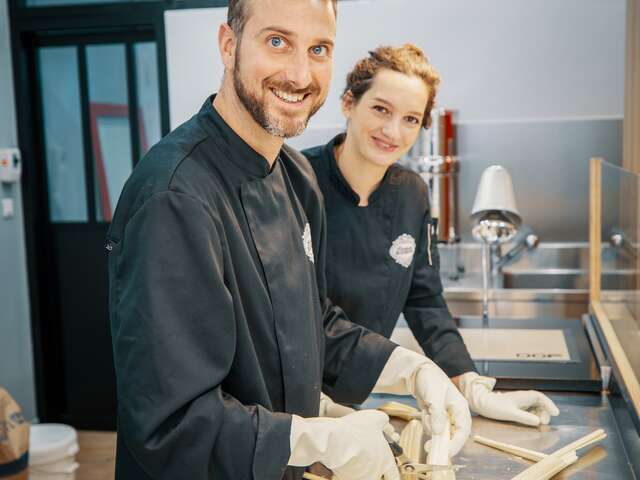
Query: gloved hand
352	447
528	407
409	373
329	408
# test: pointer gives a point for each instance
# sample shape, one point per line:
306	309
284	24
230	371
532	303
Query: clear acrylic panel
109	120
148	95
64	151
620	222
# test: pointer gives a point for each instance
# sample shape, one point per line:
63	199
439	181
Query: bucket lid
50	442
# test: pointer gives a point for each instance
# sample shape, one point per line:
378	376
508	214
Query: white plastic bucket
52	452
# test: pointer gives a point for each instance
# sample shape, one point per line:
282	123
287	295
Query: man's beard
276	126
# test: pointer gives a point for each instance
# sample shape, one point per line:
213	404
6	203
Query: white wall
537	86
16	358
499	59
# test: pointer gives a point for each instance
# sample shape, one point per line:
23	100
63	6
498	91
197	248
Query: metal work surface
580	414
579	374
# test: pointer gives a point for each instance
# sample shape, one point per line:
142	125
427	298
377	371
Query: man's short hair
238	13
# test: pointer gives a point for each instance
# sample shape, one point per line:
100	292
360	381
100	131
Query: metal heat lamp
495	219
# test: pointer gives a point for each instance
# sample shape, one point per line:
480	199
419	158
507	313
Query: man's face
283	62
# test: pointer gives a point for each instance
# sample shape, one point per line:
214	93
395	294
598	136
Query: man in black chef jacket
222	332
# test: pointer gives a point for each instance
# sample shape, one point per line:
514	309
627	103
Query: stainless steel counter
579	414
546	282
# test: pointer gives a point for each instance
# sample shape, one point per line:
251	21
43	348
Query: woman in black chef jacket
382	257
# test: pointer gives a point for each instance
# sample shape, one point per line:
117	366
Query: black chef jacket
218	309
383	259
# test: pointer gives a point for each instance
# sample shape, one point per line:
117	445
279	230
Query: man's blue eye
319	50
276	41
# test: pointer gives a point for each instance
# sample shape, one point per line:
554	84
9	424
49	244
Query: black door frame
31	27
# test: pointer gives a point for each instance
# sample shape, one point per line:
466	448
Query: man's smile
288	97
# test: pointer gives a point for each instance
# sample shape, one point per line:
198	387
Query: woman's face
386	121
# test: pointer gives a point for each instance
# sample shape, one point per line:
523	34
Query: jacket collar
341	183
240	152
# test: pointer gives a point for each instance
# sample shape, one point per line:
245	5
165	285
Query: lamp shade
495	196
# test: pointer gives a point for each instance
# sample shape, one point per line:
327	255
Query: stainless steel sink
551	280
566	267
546	279
568	279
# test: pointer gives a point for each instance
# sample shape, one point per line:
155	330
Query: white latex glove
528	407
409	373
352	447
329	408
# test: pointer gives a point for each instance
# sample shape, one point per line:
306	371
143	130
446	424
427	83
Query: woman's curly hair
407	59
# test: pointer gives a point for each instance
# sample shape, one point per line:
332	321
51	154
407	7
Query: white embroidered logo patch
402	249
306	242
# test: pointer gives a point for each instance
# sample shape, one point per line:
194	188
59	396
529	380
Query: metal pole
486	271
